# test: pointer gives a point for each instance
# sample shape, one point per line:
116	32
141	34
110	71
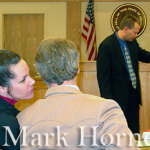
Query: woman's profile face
22	86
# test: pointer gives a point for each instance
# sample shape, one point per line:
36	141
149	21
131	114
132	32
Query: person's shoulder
26	113
100	106
36	105
8	119
100	100
109	38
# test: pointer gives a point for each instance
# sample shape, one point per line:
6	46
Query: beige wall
103	12
54	12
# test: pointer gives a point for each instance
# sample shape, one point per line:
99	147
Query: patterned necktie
130	67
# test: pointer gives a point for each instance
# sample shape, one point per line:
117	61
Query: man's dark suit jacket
112	73
8	118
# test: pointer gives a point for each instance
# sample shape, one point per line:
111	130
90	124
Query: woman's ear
3	90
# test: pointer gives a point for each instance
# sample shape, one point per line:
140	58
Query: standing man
118	69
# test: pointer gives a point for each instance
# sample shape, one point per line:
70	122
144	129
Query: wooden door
23	34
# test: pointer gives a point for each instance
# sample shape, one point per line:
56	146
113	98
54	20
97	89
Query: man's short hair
128	21
7	59
57	60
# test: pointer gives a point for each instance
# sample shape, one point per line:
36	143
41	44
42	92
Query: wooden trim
145	148
88	66
74	22
91	67
144	67
35	0
118	1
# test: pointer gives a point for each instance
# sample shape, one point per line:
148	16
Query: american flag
88	31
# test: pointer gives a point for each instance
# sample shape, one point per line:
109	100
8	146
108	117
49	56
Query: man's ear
125	28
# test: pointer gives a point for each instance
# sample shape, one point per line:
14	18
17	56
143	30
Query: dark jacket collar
6	106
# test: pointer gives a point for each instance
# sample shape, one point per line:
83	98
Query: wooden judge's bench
87	82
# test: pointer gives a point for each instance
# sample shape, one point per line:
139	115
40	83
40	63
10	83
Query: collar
74	86
69	89
9	100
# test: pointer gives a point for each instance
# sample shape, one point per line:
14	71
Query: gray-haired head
57	60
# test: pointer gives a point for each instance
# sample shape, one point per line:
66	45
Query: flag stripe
90	37
85	28
84	36
88	31
87	20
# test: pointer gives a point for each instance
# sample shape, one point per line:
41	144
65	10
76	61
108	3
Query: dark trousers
132	111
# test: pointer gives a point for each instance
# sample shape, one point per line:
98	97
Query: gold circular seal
128	9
